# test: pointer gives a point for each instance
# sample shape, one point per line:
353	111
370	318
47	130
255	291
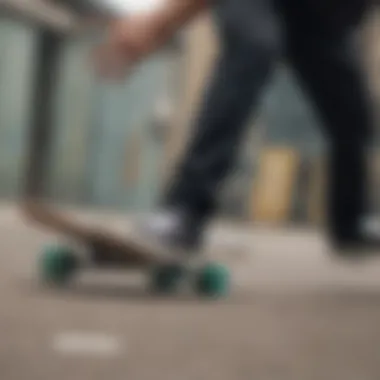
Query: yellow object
275	184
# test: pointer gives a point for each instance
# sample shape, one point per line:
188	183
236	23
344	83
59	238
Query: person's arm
132	39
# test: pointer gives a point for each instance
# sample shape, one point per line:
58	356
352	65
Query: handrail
39	12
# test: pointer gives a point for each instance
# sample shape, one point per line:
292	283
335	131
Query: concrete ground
294	314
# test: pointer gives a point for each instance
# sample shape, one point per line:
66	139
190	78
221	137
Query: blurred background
114	145
293	313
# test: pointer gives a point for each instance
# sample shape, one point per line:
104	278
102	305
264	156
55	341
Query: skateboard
166	270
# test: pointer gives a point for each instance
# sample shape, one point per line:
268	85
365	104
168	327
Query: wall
73	125
126	166
98	130
16	65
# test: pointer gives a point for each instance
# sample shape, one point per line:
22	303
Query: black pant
319	41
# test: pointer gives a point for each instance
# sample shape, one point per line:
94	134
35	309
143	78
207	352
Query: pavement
293	314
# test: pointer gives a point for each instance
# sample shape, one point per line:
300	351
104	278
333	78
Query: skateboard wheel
166	279
213	280
58	264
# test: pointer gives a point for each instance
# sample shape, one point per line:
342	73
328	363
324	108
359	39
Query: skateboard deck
105	248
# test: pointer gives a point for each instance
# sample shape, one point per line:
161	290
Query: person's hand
128	42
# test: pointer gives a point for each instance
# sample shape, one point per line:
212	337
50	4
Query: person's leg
251	43
327	60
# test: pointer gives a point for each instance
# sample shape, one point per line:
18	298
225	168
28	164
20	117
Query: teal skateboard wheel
166	279
213	280
58	264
